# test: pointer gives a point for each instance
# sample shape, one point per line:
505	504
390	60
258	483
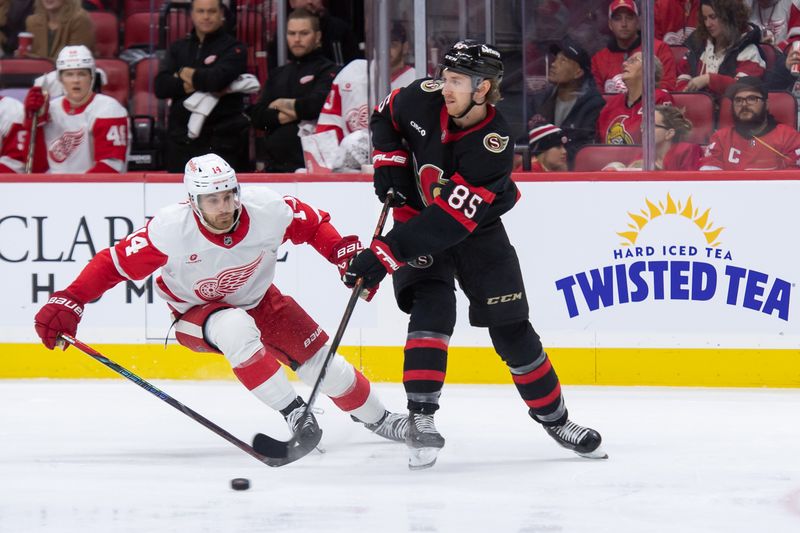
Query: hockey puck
240	483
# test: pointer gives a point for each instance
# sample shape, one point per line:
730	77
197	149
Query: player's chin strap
472	102
220	231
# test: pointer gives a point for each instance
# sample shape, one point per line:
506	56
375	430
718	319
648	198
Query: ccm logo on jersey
504	299
495	143
66	302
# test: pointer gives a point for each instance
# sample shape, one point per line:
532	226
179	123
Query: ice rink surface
104	456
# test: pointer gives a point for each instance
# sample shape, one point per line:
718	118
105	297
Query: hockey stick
197	417
32	143
295	448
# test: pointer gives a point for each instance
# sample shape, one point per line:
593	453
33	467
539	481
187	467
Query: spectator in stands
675	20
207	60
338	39
12	134
623	20
294	92
779	20
570	101
56	24
781	77
99	5
81	132
621	119
756	141
723	48
12	21
549	149
672	152
346	111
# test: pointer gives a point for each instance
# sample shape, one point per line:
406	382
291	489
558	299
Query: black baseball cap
572	50
747	83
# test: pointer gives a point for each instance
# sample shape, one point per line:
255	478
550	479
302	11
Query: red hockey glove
372	265
35	102
342	254
61	314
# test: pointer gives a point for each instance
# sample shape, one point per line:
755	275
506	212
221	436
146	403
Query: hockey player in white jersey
346	110
13	136
82	131
217	253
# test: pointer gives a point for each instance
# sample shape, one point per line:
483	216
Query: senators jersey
13	137
620	123
90	138
345	109
462	178
778	148
197	266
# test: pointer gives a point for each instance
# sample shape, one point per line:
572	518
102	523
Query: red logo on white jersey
226	282
357	119
62	148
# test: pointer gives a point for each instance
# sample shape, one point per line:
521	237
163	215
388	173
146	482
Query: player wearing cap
80	132
549	148
217	254
444	148
623	21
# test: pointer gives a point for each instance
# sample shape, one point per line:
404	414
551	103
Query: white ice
105	456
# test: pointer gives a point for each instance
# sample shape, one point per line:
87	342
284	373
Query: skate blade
422	458
598	453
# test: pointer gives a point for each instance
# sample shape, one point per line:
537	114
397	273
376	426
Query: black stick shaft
158	393
348	312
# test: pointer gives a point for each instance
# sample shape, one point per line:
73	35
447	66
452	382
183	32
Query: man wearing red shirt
623	20
756	141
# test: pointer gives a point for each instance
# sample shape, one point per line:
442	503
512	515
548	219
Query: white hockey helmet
75	57
209	174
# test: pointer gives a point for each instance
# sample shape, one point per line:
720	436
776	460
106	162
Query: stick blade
279	453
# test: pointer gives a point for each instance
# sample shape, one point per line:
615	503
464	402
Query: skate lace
572	432
395	426
424	424
296	421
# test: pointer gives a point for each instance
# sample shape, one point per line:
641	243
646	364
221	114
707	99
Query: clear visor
456	82
219	202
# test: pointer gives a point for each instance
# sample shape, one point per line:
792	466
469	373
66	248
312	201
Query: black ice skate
583	441
391	426
423	441
306	428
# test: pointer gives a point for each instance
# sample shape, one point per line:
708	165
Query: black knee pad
517	344
433	308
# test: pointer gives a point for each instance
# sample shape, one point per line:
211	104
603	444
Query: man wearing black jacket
570	101
294	92
207	60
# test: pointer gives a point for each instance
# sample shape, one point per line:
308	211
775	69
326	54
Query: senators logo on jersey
617	134
226	282
494	142
60	149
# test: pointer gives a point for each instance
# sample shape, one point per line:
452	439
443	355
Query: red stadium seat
782	105
20	72
142	6
141	29
699	109
144	100
253	29
594	157
174	23
118	76
106	30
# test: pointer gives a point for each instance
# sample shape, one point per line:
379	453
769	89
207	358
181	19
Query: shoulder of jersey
261	199
166	227
109	104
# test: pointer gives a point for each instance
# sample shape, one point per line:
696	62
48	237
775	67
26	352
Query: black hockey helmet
473	58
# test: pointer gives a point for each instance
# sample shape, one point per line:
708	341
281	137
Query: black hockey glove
372	264
392	171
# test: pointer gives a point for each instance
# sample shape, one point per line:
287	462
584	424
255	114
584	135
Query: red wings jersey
748	63
13	137
607	68
619	123
777	19
91	137
778	149
675	20
346	108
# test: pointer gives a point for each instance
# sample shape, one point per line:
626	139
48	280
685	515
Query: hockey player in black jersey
443	148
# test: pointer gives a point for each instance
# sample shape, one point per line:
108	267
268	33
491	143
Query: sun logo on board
669	207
